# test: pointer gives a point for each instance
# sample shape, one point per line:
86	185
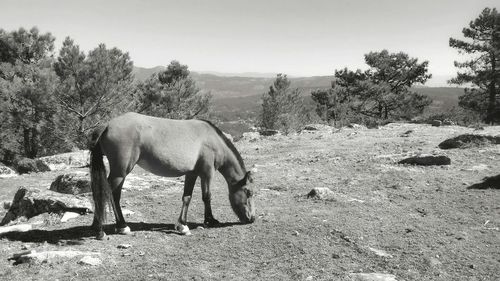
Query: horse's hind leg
116	183
186	199
206	180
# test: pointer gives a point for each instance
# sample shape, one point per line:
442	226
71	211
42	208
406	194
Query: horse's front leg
207	198
181	225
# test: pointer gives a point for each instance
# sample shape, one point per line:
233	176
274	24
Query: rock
29	202
488	182
251	136
15	228
436	123
380	253
63	161
406	134
448	122
48	256
432	262
69	215
27	165
124	246
72	183
317	127
428	160
321	193
356	126
127	212
6	172
269	132
469	140
373	277
88	260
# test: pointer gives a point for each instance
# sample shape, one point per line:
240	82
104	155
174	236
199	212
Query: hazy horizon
299	38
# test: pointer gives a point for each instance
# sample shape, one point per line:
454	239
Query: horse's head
241	198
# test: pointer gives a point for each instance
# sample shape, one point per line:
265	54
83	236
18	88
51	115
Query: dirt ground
417	223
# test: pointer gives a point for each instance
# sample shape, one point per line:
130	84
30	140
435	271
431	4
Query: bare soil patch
411	222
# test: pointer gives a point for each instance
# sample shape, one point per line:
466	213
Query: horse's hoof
211	222
183	229
101	236
125	231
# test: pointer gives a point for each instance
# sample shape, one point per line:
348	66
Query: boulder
6	172
27	165
30	202
427	160
436	123
72	183
63	161
469	140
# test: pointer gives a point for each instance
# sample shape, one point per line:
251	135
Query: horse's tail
98	182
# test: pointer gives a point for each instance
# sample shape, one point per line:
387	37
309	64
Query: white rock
88	260
15	228
69	215
380	253
373	277
124	246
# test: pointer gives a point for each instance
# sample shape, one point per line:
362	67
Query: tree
383	91
26	91
334	104
93	87
283	108
388	89
482	70
172	94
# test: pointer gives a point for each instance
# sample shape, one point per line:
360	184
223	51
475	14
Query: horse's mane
228	143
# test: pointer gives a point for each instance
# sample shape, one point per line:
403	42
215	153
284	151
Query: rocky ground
399	221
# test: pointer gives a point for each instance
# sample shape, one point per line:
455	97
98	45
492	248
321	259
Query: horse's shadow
76	235
487	183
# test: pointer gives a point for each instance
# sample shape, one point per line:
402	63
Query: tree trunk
490	111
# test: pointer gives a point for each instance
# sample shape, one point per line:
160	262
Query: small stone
295	233
88	260
380	253
124	246
309	278
373	277
200	227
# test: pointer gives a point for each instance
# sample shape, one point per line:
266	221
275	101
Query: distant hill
142	73
239	98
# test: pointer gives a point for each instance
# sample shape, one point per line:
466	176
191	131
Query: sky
299	38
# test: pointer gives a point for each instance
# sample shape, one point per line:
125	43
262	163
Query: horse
170	148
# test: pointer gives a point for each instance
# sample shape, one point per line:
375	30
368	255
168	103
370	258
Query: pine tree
482	70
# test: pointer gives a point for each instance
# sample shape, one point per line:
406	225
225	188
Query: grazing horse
169	148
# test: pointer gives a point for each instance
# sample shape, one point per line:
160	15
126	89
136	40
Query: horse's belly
167	167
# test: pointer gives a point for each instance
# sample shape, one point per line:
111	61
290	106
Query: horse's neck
231	169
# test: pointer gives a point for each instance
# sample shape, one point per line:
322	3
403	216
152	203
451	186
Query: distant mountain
142	73
239	86
240	94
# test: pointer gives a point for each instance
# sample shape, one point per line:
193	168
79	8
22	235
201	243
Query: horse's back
163	146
